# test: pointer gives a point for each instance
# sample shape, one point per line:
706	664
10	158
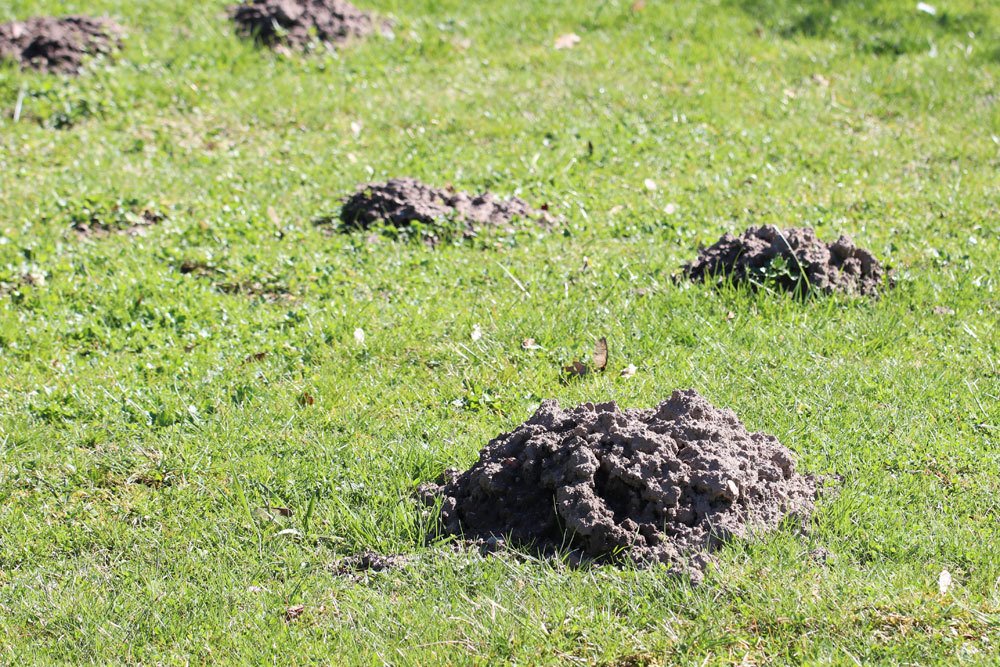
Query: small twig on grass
514	278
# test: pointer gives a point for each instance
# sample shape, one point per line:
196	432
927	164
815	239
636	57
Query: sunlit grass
148	413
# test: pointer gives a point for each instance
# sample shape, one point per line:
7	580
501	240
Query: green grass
140	435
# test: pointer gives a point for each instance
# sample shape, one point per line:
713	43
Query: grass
148	413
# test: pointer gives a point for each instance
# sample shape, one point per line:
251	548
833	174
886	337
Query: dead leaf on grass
280	511
276	221
629	371
944	582
530	344
601	354
567	41
599	358
294	612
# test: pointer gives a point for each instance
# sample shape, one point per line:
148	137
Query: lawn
160	392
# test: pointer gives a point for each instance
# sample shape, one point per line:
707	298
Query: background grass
146	415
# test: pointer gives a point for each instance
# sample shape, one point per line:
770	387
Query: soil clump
662	485
793	260
58	45
295	24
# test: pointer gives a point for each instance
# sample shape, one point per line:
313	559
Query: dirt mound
794	260
297	23
401	202
58	45
665	485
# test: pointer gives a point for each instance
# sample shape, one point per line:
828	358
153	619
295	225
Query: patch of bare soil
295	24
26	279
119	219
662	485
405	202
793	259
268	290
58	45
197	268
370	561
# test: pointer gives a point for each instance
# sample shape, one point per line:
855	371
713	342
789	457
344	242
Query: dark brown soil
401	202
298	23
663	485
58	45
793	260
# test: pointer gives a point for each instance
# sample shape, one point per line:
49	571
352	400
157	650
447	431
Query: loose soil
402	202
58	45
794	260
662	485
296	24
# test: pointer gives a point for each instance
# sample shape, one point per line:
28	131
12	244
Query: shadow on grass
880	27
